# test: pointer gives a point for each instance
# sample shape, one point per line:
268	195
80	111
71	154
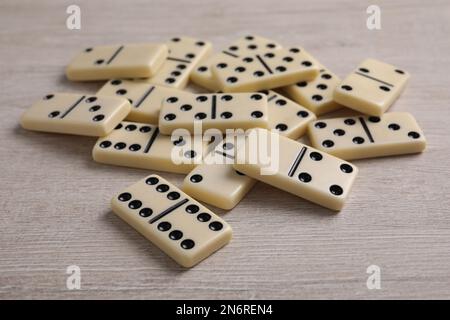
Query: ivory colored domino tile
247	45
184	55
180	226
359	137
118	61
317	94
145	98
265	70
286	116
79	114
296	168
142	146
219	111
215	181
372	88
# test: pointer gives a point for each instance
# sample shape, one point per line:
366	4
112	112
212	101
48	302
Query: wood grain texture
55	199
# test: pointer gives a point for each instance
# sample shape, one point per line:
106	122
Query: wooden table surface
55	198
